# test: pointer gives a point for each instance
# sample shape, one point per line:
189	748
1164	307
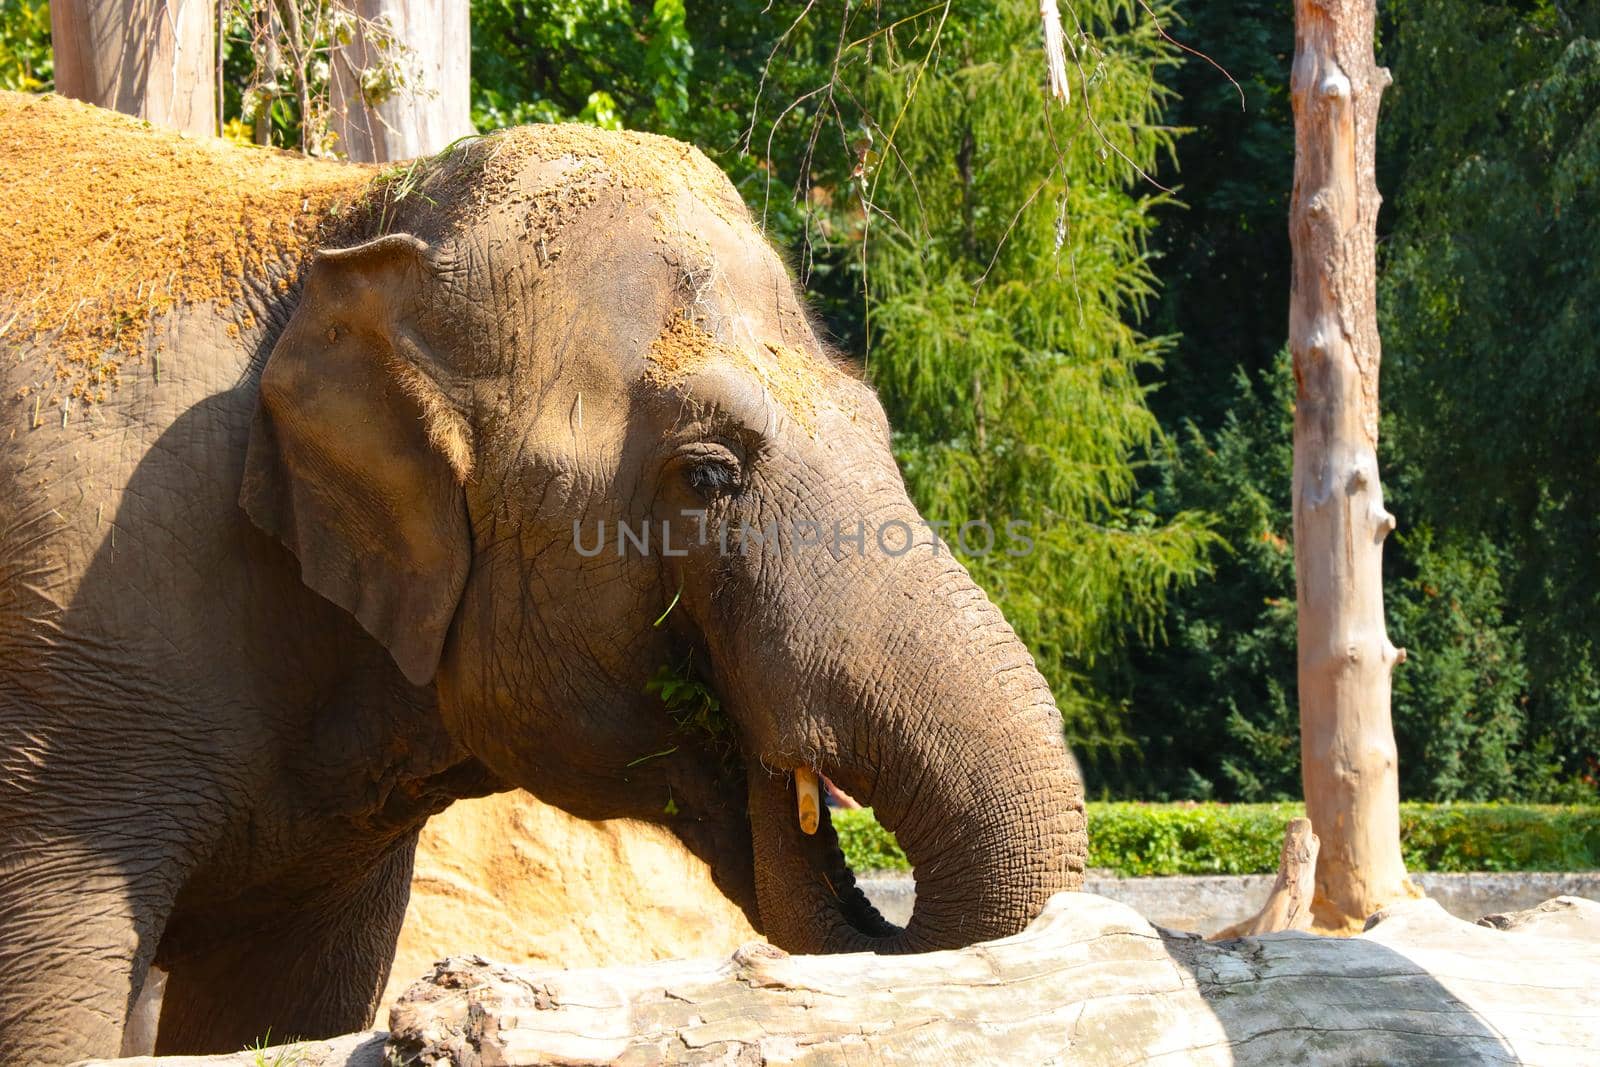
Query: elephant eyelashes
712	478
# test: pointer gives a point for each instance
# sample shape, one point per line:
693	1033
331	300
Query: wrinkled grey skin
259	620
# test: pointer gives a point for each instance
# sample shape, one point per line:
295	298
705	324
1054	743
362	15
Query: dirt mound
517	880
108	222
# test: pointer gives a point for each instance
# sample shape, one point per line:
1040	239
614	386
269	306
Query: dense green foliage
607	62
1158	839
1223	243
1144	839
1491	305
1060	341
1214	702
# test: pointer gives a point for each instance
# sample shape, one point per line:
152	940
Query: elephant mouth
808	896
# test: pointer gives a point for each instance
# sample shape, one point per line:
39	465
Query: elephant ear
357	459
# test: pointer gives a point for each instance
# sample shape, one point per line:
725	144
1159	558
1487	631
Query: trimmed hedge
1153	839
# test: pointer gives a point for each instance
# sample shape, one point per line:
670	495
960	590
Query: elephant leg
78	931
317	970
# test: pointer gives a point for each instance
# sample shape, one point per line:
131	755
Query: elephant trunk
936	716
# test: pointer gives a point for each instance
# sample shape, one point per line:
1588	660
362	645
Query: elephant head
559	419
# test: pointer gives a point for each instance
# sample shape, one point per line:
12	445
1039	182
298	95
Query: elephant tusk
805	792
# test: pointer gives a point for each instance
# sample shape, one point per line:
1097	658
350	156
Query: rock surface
521	881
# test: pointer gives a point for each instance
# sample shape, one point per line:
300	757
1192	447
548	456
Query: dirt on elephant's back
109	222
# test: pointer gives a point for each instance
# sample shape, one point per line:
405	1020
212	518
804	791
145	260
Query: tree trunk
155	59
1346	736
427	112
1090	982
1288	906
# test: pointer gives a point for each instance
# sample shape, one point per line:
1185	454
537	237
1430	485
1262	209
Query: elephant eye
712	477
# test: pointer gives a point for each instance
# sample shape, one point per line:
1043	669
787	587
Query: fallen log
1090	982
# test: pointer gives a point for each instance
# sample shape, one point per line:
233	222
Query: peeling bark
1090	982
1348	752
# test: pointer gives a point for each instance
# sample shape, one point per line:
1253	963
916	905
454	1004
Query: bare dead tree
1348	755
372	80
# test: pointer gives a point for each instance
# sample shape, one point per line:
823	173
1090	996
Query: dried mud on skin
792	378
109	222
503	169
626	161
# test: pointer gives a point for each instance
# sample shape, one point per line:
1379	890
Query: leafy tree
1459	699
1212	698
1213	704
1485	371
609	63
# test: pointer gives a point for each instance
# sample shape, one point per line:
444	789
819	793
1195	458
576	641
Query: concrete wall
1207	903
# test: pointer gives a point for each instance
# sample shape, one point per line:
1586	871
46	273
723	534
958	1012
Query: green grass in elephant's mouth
694	708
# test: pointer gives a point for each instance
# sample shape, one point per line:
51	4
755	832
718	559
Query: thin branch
1089	111
755	106
978	285
869	195
1156	22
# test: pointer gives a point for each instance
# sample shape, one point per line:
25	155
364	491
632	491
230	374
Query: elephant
418	504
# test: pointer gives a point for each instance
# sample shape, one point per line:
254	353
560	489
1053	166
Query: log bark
427	114
154	59
1288	905
1348	758
1091	982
